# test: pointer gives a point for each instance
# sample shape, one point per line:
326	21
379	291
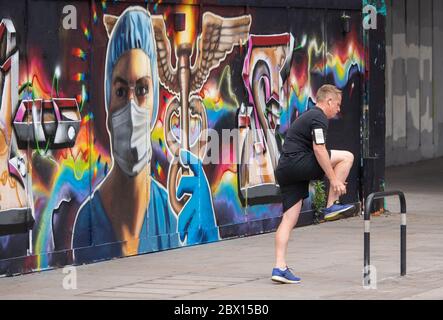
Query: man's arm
322	156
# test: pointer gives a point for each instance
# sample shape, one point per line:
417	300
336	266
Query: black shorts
294	173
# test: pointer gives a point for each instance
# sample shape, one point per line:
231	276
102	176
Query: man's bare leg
342	162
287	224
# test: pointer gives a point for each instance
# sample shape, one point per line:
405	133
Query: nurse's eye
121	92
141	91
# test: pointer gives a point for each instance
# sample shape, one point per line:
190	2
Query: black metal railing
367	217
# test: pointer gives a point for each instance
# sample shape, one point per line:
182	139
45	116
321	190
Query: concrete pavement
328	257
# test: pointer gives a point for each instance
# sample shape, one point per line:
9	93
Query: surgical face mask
131	141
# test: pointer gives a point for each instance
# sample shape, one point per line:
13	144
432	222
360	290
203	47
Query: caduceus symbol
218	38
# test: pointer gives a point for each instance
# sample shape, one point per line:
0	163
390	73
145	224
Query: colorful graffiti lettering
14	209
266	68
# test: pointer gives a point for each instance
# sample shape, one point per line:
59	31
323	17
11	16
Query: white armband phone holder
318	136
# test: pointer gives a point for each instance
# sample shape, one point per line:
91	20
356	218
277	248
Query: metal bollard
367	218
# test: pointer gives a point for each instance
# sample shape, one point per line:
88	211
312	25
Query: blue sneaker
284	276
334	211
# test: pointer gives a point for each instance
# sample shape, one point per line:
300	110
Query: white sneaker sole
284	280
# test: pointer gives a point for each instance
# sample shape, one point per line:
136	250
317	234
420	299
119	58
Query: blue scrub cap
133	30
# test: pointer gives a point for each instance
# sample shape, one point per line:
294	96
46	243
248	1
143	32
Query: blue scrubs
94	238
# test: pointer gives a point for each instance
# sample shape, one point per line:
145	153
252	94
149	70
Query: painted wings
218	38
166	72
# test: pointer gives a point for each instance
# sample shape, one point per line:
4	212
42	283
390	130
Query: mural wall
152	126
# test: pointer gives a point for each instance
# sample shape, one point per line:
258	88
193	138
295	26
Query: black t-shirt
300	134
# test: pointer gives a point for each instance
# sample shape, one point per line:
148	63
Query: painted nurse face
132	79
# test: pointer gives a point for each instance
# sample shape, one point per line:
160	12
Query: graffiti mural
184	81
15	212
132	98
152	127
266	67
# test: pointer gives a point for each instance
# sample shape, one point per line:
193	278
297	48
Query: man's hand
338	187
